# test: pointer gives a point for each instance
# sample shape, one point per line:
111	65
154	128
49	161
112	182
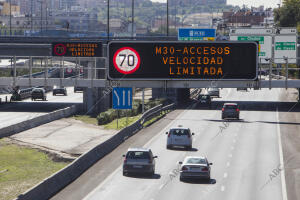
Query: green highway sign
285	46
260	39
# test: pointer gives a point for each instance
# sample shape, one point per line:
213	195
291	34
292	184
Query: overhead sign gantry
183	60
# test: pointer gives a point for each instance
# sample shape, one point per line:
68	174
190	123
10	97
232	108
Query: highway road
245	156
16	112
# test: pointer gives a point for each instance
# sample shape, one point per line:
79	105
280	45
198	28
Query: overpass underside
92	73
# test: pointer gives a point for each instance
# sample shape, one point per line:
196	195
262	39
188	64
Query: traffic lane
116	186
95	175
70	98
291	145
17	112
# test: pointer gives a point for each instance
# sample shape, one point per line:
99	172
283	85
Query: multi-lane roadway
16	112
246	156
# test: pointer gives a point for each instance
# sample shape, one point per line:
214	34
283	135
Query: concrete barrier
53	184
37	121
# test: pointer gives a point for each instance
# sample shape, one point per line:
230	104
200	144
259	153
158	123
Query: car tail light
237	110
205	169
222	109
125	160
184	168
169	134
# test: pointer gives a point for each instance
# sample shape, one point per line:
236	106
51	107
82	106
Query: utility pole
41	15
9	17
31	10
107	19
132	18
167	17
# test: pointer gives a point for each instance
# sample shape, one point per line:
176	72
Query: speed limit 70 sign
126	60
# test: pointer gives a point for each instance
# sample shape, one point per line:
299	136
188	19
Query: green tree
289	14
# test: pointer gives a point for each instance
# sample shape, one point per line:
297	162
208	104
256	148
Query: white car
179	137
195	167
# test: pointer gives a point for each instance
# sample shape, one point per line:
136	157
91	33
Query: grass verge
86	119
151	121
122	122
21	168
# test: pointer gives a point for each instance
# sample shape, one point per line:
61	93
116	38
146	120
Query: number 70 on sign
122	98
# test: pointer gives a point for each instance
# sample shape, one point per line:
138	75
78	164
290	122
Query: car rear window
37	91
196	161
179	132
231	107
138	155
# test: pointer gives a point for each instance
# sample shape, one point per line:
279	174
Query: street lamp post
132	18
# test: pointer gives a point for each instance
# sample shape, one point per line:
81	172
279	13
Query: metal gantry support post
30	69
15	71
46	72
143	100
286	71
61	71
270	74
77	71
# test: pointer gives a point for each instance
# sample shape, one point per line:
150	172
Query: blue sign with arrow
122	98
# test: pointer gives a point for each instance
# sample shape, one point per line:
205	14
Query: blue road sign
122	98
195	33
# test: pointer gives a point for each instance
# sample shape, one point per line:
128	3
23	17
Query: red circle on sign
69	70
136	54
60	49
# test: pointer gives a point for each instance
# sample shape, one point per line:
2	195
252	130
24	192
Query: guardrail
53	184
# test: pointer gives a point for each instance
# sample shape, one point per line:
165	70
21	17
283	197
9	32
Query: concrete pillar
96	100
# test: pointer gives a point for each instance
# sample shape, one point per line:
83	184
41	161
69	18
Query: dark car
78	89
204	100
62	91
139	160
38	93
230	110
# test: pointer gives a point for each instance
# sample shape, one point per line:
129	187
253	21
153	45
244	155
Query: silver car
179	137
195	167
139	160
213	92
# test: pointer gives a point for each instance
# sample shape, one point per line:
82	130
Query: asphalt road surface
246	155
16	112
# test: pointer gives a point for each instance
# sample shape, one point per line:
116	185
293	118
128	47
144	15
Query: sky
249	3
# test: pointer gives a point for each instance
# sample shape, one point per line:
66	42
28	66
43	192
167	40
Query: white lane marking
120	167
235	135
162	185
228	164
222	188
225	175
232	147
234	141
194	139
283	185
230	155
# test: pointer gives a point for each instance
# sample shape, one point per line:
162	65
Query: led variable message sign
183	60
77	49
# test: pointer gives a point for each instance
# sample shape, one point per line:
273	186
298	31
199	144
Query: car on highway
78	89
213	92
242	89
179	137
196	167
139	160
230	110
60	90
38	93
204	100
